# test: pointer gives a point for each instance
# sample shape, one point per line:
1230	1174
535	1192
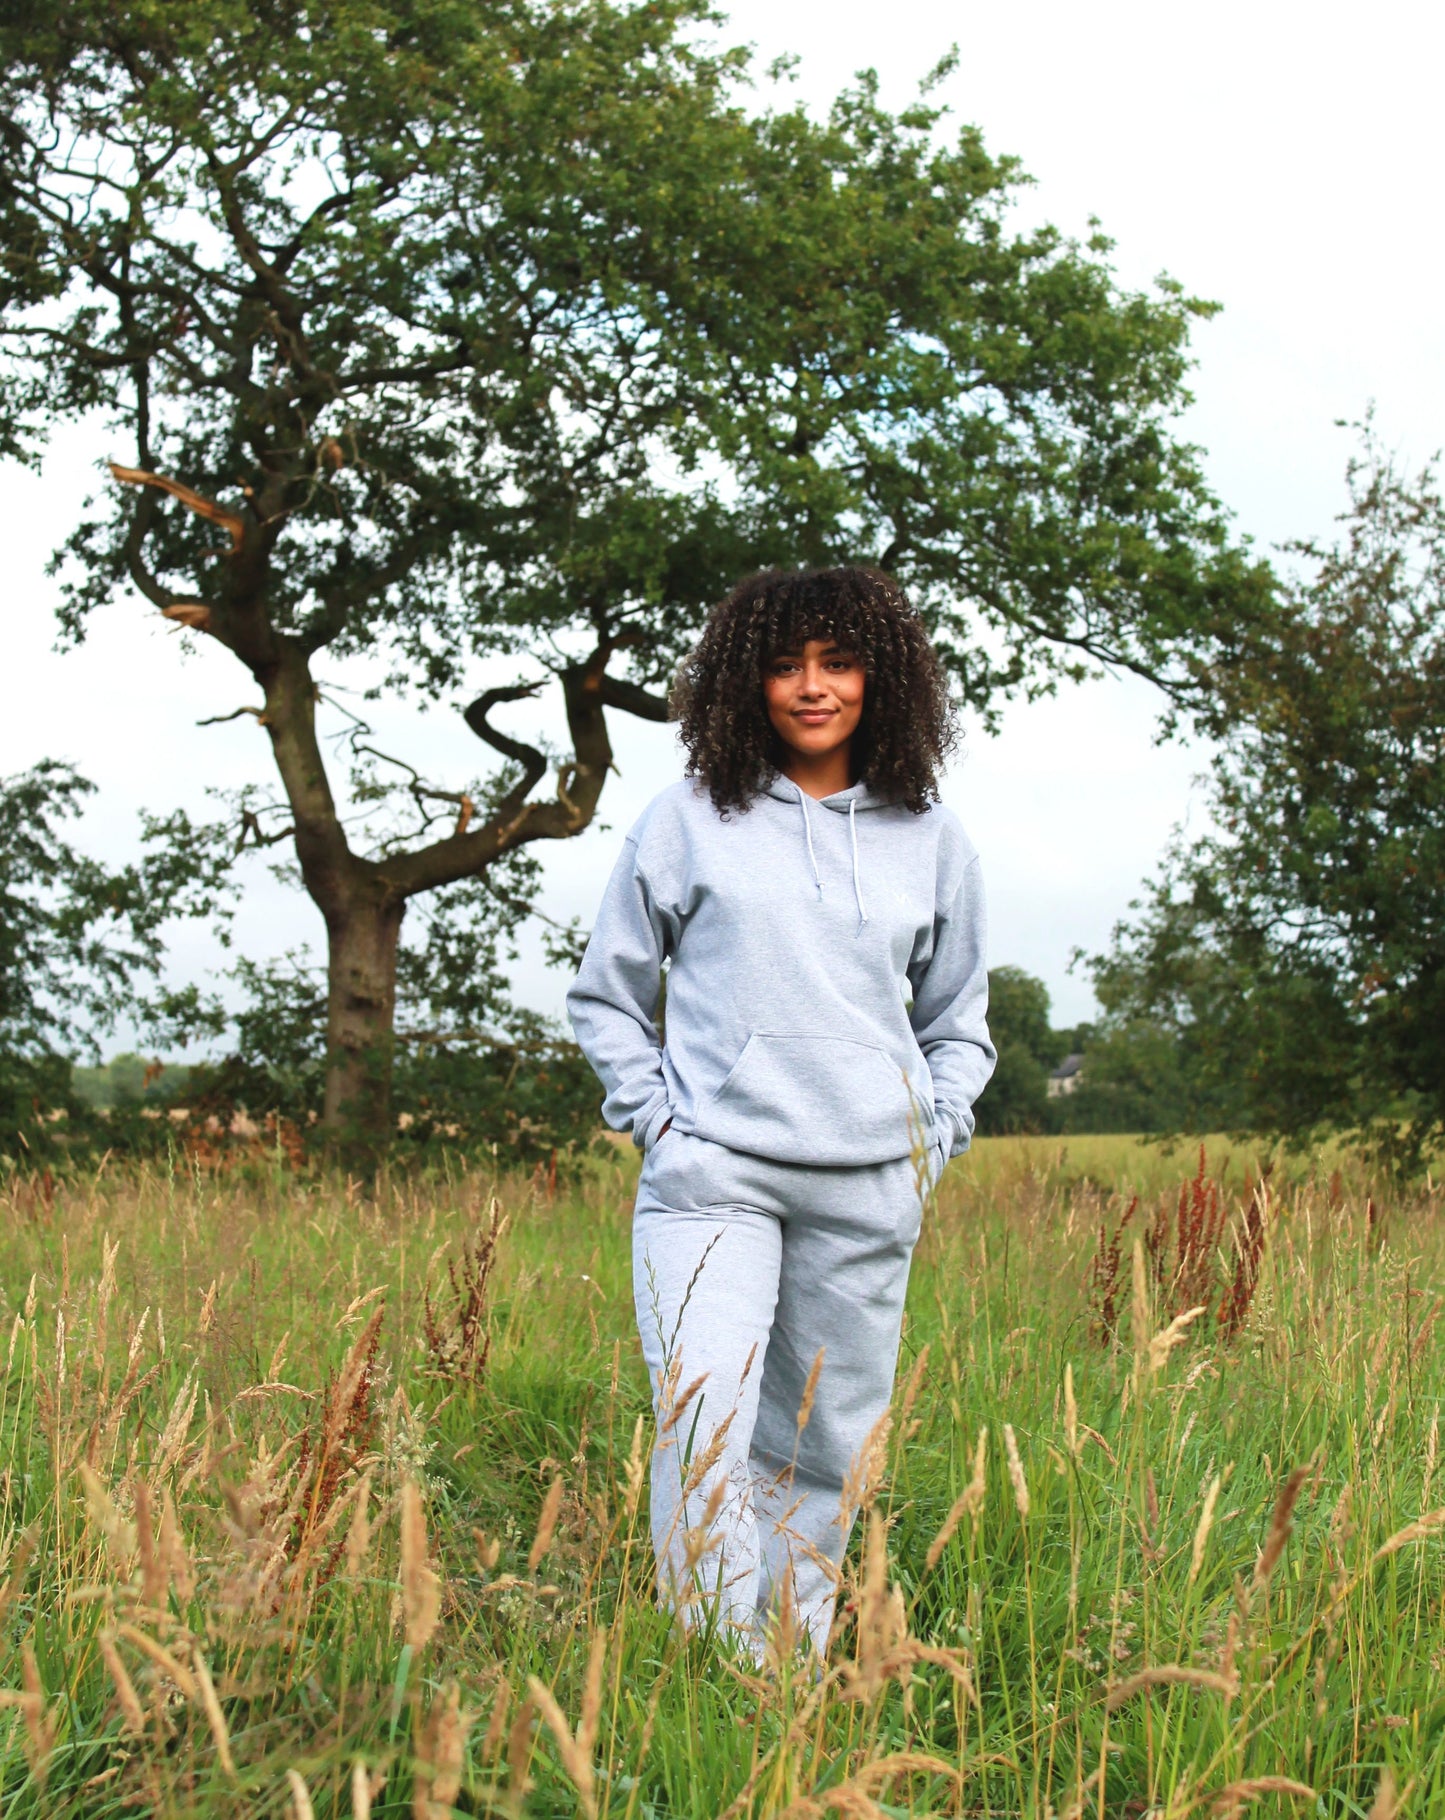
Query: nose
813	681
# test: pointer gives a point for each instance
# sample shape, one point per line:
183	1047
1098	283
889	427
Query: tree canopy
434	331
1297	951
79	940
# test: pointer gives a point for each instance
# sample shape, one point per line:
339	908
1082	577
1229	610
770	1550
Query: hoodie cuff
956	1131
648	1124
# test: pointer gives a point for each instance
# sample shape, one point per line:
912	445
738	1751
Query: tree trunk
361	1002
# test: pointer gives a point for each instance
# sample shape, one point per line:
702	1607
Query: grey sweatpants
744	1271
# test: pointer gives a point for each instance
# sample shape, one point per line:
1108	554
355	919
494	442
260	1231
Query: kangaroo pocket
818	1099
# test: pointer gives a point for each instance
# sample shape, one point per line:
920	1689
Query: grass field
295	1522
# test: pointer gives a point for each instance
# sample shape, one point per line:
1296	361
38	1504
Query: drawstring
808	831
853	842
857	876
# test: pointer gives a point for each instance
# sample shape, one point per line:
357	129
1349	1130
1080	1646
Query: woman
822	921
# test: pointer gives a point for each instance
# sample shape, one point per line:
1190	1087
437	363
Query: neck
820	774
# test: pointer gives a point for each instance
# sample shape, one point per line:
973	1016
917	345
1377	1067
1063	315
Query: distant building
1066	1077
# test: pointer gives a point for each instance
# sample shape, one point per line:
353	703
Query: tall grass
316	1504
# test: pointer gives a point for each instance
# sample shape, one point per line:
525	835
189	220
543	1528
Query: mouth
814	717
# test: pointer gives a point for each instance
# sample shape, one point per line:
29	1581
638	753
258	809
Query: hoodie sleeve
613	1000
950	1009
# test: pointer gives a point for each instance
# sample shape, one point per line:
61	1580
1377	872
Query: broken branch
197	502
193	614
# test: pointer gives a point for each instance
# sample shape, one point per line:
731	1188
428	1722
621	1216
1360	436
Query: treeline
1114	1074
1284	971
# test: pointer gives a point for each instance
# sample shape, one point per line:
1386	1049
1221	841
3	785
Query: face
815	697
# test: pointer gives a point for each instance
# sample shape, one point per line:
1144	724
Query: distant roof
1070	1065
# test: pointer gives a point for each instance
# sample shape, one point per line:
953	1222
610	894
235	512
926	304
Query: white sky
1283	159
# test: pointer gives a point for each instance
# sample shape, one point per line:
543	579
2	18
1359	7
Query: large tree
1295	954
432	329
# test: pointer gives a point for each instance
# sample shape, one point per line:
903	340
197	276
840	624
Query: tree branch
219	720
517	821
420	792
533	763
286	314
135	561
251	825
343	591
410	373
203	507
632	698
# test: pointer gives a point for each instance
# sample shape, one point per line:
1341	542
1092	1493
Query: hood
858	796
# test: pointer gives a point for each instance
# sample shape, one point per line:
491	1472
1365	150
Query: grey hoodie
827	977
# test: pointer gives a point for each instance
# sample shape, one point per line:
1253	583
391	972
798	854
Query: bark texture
360	1010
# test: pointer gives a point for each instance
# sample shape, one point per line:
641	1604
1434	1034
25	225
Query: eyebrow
833	650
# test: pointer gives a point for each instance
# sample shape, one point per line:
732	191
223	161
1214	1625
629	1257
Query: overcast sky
1283	159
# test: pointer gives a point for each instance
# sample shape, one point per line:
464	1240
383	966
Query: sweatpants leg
842	1285
705	1285
744	1270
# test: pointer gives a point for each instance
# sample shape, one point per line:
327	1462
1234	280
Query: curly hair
907	729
